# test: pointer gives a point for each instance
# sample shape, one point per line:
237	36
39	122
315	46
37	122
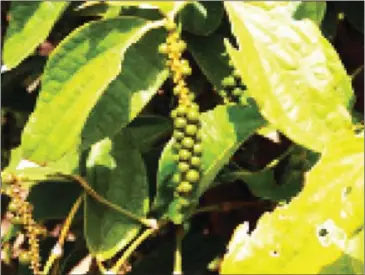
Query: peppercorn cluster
232	87
187	147
20	212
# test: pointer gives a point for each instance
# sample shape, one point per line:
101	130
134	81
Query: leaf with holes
73	82
29	25
116	171
299	83
315	227
223	130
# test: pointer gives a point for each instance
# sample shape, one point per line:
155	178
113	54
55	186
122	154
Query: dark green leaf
54	200
30	24
148	129
210	54
202	18
223	130
116	171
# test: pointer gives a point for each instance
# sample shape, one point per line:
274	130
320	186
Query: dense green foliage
140	109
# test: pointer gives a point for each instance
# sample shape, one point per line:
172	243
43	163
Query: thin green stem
57	250
178	252
131	249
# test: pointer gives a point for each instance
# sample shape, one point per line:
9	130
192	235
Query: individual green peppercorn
180	122
16	220
195	161
178	135
176	178
184	187
183	202
181	110
237	92
176	146
24	257
191	129
185	70
230	63
194	106
173	114
183	167
184	154
193	116
163	48
13	205
237	74
198	149
228	81
192	176
187	143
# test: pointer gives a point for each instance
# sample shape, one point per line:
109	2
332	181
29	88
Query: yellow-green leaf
315	228
293	73
76	75
29	25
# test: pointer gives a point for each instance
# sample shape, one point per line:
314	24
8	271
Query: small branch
58	248
90	191
131	249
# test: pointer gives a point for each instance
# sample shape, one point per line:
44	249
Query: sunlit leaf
30	24
315	227
293	73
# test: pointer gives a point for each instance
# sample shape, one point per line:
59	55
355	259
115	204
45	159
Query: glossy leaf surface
29	25
315	227
116	171
299	83
73	82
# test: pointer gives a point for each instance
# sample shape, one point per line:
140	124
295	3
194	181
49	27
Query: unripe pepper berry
184	187
184	155
24	257
192	176
195	161
193	116
183	167
191	130
187	143
198	149
180	122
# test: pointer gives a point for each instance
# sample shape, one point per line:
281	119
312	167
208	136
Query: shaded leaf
210	54
116	171
143	72
201	18
73	82
29	25
314	11
223	130
299	82
54	200
315	227
148	129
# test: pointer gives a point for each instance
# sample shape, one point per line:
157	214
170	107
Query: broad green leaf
30	24
223	130
143	72
116	171
202	18
210	54
314	229
314	11
77	73
146	130
299	83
